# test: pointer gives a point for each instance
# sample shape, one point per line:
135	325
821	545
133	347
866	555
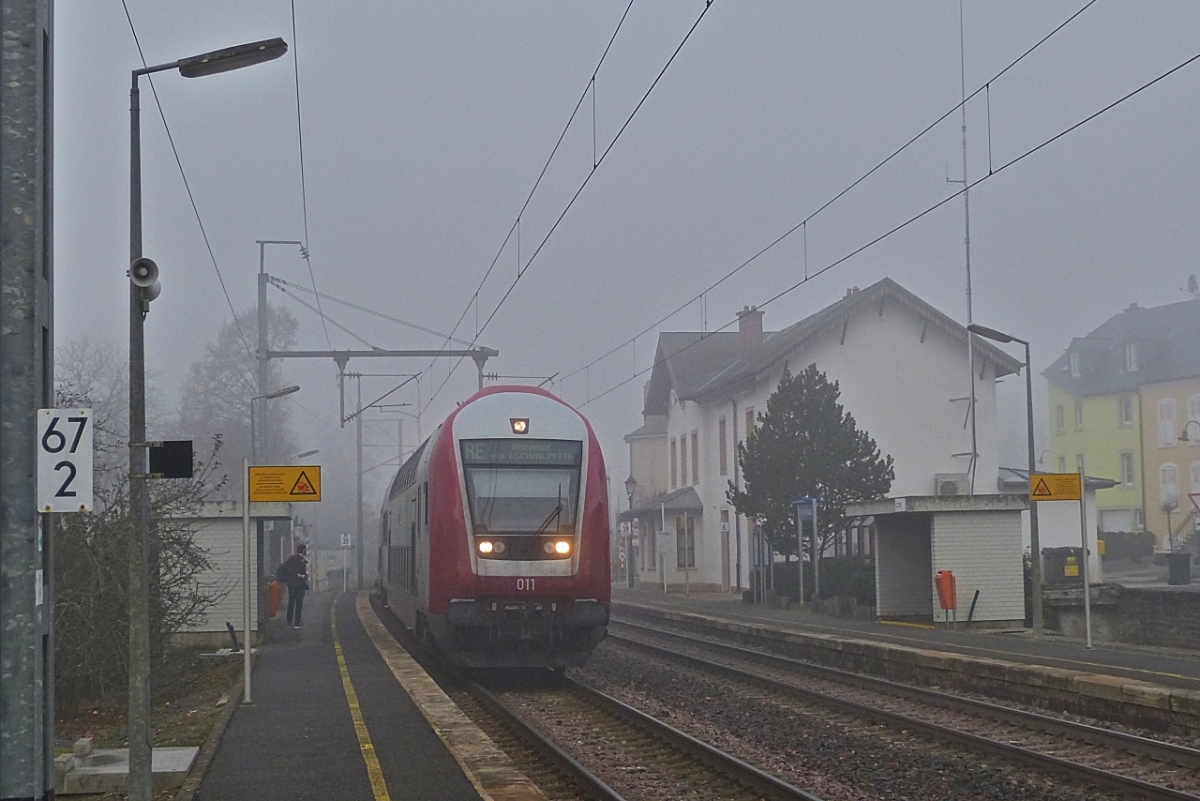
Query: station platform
1153	688
340	711
1169	668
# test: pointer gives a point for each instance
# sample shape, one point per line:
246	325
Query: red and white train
494	536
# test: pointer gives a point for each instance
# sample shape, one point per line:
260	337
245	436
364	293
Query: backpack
282	573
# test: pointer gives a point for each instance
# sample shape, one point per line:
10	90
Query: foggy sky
426	125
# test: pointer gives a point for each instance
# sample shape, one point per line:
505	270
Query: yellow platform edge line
374	773
490	770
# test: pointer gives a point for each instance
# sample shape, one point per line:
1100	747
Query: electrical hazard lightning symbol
303	486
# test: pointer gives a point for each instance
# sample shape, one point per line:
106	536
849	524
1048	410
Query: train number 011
525	584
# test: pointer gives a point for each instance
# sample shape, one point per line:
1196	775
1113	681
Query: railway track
1113	761
625	753
579	744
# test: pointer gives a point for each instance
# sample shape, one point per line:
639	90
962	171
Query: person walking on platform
294	573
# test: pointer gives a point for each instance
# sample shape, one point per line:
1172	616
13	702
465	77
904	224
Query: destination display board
522	452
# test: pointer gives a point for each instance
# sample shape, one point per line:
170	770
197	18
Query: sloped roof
655	425
683	499
1016	480
697	365
1164	340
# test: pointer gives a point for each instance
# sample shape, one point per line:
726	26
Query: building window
1130	357
648	540
1168	491
674	465
685	542
722	448
1074	358
1062	464
695	457
1128	476
1139	520
1166	423
1060	419
1078	415
1193	414
1125	411
1195	477
683	462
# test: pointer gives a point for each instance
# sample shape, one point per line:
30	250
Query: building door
725	551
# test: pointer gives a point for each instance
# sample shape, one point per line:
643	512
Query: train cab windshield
521	488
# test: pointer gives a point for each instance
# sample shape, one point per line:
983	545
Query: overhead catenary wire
338	325
281	283
187	185
597	162
901	226
803	224
304	251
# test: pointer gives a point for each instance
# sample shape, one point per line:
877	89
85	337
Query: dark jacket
294	572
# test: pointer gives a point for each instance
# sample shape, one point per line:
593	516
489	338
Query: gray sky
425	126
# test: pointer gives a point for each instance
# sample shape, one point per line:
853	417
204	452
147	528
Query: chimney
750	329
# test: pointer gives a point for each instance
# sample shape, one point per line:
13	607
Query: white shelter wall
983	550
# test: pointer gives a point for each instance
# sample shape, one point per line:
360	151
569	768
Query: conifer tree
807	444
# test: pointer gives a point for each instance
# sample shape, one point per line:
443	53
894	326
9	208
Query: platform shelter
975	537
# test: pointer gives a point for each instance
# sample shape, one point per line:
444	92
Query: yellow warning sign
285	484
1054	487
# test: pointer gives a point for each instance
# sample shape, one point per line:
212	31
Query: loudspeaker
143	272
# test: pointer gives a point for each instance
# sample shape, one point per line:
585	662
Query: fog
425	127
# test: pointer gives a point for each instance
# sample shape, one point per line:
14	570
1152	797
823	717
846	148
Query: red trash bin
944	580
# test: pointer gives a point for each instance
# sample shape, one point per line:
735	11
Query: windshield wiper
555	513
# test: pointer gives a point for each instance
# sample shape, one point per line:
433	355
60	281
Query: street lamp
1184	436
140	294
630	488
313	452
1034	540
279	393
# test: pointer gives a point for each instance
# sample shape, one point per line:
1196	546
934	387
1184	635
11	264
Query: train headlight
485	546
562	547
520	425
498	545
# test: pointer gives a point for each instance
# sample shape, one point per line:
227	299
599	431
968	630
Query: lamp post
279	393
140	746
630	488
1034	540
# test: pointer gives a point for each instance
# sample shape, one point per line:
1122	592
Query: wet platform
340	711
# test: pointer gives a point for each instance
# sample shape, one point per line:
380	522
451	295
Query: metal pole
246	698
1035	546
26	383
629	545
1087	592
359	493
816	553
140	732
737	518
800	552
967	244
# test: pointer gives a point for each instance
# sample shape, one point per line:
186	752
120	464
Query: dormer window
1075	364
1130	357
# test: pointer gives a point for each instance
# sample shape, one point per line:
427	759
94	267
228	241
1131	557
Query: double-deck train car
494	536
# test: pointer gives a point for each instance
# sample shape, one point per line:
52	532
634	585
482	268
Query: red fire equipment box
944	580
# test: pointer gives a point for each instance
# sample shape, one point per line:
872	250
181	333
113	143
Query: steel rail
589	783
1170	753
1096	776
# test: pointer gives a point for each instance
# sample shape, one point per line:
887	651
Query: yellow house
1119	401
1171	463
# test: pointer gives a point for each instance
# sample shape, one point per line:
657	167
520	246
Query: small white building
218	530
901	366
977	539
